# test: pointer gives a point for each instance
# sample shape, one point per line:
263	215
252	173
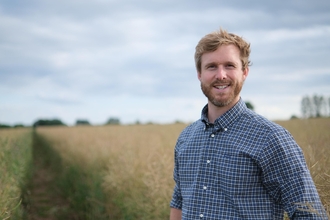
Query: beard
222	99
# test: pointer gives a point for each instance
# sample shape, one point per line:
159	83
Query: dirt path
44	200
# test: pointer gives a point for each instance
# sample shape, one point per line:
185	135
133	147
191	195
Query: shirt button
201	215
204	187
208	161
212	135
225	129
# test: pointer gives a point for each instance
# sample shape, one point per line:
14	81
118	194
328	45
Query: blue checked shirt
242	167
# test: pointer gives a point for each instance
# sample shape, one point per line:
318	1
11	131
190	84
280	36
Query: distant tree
4	126
319	104
315	106
306	107
82	122
46	122
294	117
329	107
113	121
249	105
18	126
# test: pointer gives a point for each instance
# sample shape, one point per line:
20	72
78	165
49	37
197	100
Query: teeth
221	87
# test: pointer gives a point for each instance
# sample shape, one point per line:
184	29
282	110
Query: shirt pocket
237	174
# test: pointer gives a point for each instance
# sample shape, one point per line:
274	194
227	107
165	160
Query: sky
133	60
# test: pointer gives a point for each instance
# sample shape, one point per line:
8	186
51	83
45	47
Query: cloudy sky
133	60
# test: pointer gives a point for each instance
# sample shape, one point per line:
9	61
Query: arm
287	178
175	214
176	202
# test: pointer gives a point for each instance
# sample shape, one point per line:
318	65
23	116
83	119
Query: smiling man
233	163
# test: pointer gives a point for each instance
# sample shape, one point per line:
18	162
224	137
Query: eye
230	65
211	66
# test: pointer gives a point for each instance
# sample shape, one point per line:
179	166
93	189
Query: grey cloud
57	100
145	48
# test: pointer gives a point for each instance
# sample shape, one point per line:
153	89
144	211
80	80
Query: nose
221	73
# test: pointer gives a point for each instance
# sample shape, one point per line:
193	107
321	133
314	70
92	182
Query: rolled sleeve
287	178
176	201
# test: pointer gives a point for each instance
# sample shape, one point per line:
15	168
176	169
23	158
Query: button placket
204	186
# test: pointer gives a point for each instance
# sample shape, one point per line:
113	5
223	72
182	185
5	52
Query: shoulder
269	135
258	123
190	131
275	139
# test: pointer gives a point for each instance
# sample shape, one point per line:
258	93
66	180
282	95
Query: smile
221	87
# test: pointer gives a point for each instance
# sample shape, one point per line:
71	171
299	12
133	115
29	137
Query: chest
224	160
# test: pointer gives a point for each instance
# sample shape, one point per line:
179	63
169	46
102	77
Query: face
222	76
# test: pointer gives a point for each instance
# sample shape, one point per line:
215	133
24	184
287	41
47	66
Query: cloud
63	54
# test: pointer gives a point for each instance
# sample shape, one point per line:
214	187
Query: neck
215	112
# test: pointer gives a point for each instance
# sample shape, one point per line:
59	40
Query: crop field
15	168
133	164
137	161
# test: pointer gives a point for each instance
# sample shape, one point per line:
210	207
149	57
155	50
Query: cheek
206	77
203	77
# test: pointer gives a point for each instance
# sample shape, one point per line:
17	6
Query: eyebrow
211	63
231	62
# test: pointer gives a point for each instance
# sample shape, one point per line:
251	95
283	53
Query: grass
79	188
134	164
15	169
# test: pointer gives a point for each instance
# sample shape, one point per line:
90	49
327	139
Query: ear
245	73
199	75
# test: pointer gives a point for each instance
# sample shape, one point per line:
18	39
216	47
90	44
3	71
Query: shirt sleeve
287	178
176	201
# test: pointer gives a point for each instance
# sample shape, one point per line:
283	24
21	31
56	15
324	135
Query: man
233	163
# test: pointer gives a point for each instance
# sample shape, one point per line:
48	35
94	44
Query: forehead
224	53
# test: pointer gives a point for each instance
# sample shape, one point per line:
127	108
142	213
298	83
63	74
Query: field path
44	200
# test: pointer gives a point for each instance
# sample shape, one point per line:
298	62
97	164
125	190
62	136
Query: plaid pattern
242	167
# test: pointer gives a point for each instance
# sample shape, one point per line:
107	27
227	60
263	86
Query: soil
44	199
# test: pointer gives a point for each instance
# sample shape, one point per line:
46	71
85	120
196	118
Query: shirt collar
225	120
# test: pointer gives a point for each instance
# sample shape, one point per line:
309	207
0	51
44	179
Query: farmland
125	172
135	163
15	170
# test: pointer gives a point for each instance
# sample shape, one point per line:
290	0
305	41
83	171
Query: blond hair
211	42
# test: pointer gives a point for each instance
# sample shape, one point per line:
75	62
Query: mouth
221	87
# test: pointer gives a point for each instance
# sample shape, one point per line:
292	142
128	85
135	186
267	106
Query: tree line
79	122
311	107
58	122
42	122
315	106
